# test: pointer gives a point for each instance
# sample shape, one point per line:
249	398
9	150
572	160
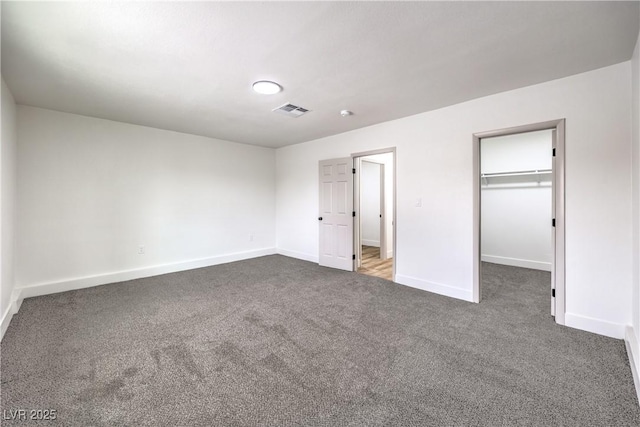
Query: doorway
339	215
519	209
373	195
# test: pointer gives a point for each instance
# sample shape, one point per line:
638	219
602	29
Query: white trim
298	255
383	214
357	222
6	318
633	351
120	276
374	152
390	253
16	299
375	243
597	326
14	306
517	262
436	288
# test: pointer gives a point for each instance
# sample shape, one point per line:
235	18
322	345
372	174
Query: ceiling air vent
290	110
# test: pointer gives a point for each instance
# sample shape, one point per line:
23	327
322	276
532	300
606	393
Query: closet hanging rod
518	173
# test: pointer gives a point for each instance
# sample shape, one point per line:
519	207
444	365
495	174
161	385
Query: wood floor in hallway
372	265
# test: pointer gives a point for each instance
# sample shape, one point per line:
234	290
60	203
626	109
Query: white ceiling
188	67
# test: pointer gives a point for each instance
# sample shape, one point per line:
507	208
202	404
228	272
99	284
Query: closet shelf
534	173
517	173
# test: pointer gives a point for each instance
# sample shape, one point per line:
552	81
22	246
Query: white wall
434	162
634	335
516	211
370	203
8	154
90	191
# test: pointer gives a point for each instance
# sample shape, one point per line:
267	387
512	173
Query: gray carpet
275	341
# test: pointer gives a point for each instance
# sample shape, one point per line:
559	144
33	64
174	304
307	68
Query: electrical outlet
141	250
418	202
251	237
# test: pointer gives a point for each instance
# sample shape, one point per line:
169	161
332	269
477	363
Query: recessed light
266	87
346	113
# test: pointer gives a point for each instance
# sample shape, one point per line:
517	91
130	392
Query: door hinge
353	257
353	170
553	293
353	213
554	152
553	222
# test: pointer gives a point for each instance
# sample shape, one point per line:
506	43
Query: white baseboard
375	243
14	306
436	288
299	255
390	254
6	318
633	350
597	326
516	262
120	276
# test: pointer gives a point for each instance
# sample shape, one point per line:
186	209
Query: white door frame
383	215
558	185
356	165
357	226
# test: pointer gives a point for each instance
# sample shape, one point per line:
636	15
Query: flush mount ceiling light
346	113
266	87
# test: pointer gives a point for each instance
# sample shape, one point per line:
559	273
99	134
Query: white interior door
336	213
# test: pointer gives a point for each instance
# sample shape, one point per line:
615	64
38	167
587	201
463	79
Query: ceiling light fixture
266	87
346	113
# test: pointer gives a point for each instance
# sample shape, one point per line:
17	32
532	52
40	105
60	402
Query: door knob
319	218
